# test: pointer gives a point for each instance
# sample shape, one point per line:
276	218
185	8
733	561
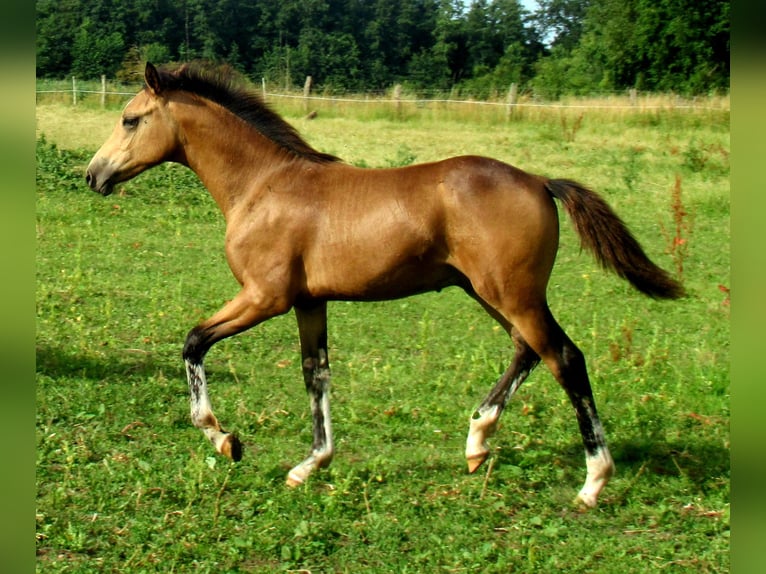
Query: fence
511	104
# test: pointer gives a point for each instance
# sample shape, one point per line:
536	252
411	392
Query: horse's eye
129	122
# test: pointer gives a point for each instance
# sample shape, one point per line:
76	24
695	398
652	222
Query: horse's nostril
89	178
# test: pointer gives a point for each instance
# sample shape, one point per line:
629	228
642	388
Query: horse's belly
377	281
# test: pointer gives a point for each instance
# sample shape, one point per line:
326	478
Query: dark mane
222	85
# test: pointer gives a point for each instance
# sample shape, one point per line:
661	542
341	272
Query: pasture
125	483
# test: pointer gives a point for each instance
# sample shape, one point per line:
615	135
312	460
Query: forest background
469	48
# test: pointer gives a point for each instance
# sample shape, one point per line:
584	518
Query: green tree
133	65
658	45
681	45
560	22
96	52
56	22
501	46
478	45
481	39
450	38
331	59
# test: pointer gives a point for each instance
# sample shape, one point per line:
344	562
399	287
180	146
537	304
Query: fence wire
636	103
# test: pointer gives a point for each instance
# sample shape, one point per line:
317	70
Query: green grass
126	484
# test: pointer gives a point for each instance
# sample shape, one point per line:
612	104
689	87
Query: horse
304	228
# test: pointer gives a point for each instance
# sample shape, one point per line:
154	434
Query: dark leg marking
484	420
573	377
312	326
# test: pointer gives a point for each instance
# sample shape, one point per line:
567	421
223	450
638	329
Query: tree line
476	46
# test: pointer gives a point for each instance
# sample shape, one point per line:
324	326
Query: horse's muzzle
98	179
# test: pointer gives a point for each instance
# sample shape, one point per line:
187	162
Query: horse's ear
152	78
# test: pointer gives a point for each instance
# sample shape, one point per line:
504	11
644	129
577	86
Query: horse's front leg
246	310
312	325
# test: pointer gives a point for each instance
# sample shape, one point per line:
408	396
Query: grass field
125	483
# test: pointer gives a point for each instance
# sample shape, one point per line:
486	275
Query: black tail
604	234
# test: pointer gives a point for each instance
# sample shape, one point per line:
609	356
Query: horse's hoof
232	447
293	481
585	500
475	461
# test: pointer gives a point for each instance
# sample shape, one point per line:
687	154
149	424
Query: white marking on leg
201	410
600	469
322	454
599	463
481	428
484	421
515	384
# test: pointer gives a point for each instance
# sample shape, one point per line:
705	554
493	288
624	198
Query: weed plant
126	484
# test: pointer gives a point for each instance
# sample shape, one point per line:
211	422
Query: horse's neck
227	155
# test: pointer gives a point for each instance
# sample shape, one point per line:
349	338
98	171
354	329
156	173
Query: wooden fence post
74	91
398	100
306	92
287	71
633	96
103	90
263	87
511	101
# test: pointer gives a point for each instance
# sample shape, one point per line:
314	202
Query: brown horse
303	228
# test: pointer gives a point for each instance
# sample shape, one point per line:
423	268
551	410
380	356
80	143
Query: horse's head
145	136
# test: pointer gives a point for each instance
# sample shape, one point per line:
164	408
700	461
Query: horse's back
429	225
485	193
501	225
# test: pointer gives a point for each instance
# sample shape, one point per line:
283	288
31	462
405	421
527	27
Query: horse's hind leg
484	420
312	326
567	363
